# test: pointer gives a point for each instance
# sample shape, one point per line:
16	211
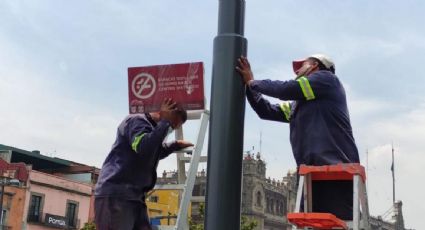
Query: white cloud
35	116
406	128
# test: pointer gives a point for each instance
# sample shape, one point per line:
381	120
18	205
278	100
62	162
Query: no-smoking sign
143	86
148	86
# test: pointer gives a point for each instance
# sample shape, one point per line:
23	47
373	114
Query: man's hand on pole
244	68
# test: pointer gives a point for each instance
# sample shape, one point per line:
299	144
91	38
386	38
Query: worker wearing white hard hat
314	104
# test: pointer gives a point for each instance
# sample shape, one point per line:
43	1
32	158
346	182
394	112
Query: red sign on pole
148	86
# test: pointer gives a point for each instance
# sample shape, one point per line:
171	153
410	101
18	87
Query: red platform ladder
308	219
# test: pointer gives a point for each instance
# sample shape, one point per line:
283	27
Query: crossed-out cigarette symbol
143	85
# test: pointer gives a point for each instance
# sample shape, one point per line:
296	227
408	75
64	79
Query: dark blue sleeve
143	138
314	86
284	90
266	110
167	148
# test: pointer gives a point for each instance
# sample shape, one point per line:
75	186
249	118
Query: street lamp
225	144
4	182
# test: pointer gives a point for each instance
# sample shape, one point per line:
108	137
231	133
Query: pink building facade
46	193
56	202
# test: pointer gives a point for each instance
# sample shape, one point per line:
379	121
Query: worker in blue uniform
314	104
129	170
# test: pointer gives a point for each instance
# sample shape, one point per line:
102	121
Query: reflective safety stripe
136	142
306	88
286	109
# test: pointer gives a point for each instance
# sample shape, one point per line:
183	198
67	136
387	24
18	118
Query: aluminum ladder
195	159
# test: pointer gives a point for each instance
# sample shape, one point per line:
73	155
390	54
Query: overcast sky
63	76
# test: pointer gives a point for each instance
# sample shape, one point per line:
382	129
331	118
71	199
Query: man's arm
317	85
284	90
303	88
267	111
168	148
145	140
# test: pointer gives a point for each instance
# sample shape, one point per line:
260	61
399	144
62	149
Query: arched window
281	208
267	205
259	169
259	198
277	207
271	206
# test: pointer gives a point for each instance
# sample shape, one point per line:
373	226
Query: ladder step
316	220
334	172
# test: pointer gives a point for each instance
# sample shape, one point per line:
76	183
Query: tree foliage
246	223
89	226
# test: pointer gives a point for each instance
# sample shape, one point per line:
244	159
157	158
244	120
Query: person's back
129	170
320	129
125	173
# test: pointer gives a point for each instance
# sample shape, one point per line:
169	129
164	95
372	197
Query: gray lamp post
223	198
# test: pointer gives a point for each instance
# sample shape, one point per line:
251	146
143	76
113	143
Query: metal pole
367	168
225	145
392	169
261	136
1	204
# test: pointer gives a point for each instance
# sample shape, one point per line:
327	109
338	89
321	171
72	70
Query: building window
203	191
259	169
34	212
196	190
284	207
153	199
271	206
71	213
281	208
259	198
267	205
3	220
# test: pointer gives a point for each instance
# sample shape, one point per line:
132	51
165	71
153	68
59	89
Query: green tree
198	226
246	223
89	226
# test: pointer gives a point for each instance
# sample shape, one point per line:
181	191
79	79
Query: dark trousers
120	214
334	197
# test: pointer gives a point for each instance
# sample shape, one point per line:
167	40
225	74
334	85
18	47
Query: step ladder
186	184
340	172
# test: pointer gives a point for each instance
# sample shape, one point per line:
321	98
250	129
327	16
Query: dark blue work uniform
320	129
129	172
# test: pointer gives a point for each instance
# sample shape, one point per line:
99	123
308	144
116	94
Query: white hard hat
325	60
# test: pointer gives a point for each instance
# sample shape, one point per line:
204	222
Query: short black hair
322	66
180	111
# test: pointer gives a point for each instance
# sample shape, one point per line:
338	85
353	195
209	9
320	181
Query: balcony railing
34	218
